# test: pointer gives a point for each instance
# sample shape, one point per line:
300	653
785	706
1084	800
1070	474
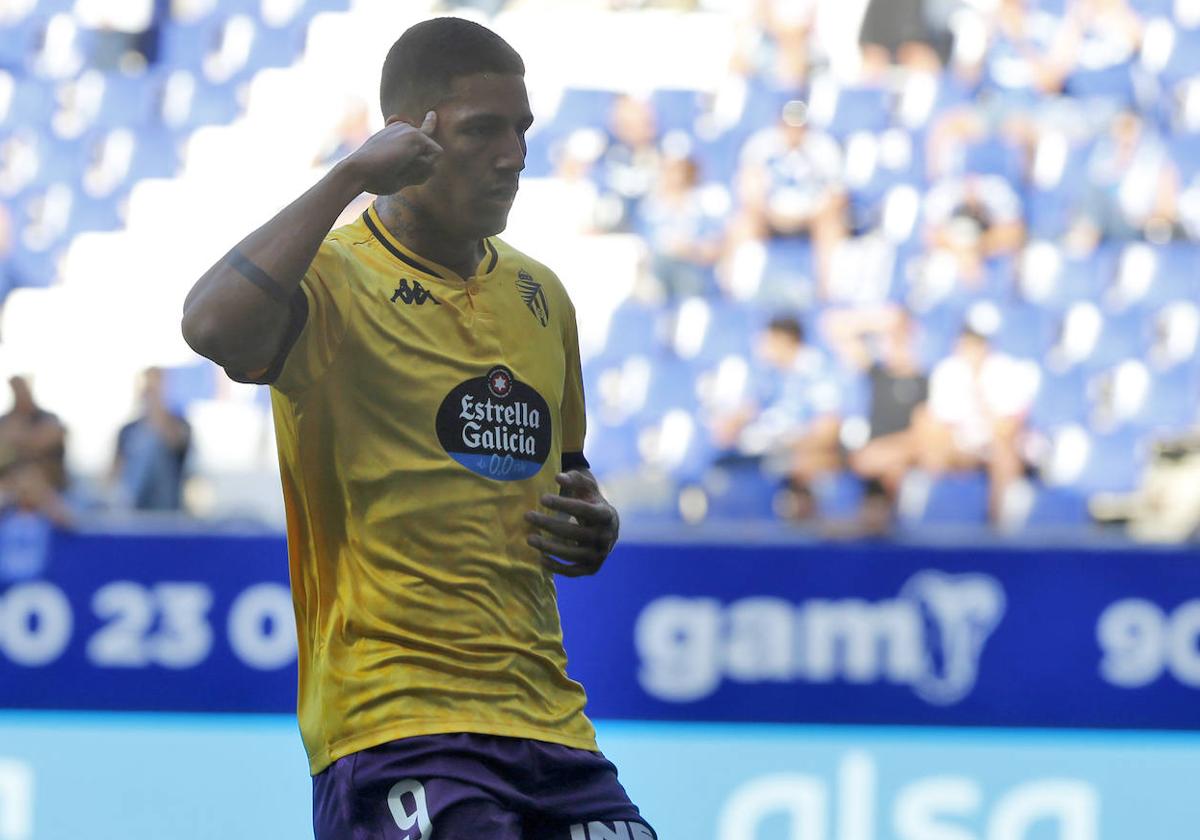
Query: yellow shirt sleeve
574	417
321	312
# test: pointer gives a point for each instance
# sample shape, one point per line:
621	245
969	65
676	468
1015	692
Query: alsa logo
863	804
416	293
931	638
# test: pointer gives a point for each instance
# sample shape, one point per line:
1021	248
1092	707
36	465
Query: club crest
534	296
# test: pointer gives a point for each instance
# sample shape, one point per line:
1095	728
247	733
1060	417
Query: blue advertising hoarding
852	633
198	777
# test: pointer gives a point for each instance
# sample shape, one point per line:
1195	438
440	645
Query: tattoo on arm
242	265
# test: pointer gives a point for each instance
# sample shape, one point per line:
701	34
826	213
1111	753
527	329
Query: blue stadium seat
213	104
1176	277
1054	506
731	331
740	491
93	214
837	496
1124	337
787	277
33	269
764	102
718	156
995	156
954	499
676	110
128	100
182	46
276	46
1112	84
1185	152
614	449
18	40
860	109
1151	8
1026	331
1173	403
1083	278
314	7
1061	399
1184	62
1115	462
580	108
672	386
156	154
33	102
634	329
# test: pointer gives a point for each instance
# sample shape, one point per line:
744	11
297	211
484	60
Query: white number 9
418	817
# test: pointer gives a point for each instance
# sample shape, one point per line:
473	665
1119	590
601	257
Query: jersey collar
398	250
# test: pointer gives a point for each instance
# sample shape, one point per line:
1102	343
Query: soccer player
430	423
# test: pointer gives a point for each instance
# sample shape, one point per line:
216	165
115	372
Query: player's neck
420	235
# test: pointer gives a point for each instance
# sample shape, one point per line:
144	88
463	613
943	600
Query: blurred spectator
1132	187
910	33
1165	507
32	457
123	35
1018	67
151	452
879	343
972	219
188	11
628	166
789	185
794	421
1098	35
978	400
789	178
683	227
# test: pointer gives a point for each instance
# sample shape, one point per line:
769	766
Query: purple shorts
467	787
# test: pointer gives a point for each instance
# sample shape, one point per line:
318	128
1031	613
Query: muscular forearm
237	312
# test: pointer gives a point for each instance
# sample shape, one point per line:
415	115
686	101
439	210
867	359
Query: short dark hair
424	62
788	325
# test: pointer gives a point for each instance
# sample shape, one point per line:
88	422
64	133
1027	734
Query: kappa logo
534	296
416	293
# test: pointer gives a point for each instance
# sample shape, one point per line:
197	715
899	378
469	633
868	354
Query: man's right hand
396	157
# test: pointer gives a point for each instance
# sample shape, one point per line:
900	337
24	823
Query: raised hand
397	156
578	542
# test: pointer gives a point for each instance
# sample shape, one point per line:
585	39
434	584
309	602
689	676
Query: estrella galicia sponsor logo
930	637
414	294
496	426
534	296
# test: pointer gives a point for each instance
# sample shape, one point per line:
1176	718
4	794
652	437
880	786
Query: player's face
481	128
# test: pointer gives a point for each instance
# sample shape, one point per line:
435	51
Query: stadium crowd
911	263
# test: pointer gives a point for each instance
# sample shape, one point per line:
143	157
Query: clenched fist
396	157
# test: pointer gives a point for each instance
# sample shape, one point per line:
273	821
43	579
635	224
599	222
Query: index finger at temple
430	123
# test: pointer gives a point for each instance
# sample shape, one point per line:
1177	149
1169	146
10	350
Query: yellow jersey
418	416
